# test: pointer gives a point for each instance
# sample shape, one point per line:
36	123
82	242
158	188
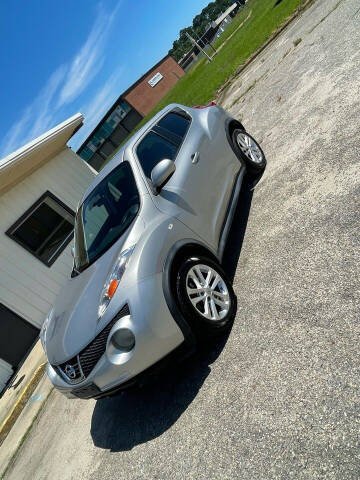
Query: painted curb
21	402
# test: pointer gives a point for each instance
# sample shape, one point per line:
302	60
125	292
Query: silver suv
149	237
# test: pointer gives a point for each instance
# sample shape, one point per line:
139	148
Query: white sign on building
155	79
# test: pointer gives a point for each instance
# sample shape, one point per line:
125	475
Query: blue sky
61	57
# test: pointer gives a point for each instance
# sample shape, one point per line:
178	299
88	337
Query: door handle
195	157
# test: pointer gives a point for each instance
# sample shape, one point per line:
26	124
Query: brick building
147	92
128	110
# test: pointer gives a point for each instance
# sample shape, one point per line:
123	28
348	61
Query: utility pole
208	43
194	42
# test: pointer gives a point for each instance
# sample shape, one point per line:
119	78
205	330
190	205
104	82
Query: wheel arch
232	124
177	252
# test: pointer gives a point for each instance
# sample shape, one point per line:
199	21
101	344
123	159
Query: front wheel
249	151
205	297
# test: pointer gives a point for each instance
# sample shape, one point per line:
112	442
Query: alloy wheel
249	147
207	292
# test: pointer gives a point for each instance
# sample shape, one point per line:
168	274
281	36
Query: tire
249	151
202	325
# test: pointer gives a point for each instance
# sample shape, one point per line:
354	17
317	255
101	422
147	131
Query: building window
45	229
112	121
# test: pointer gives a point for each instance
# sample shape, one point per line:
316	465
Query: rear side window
163	141
175	124
152	150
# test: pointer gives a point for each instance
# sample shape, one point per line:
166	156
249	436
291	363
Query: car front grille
84	363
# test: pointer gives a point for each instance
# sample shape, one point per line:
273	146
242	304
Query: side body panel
199	191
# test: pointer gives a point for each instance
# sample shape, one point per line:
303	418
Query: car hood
73	321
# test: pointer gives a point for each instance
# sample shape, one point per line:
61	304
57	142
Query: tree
210	13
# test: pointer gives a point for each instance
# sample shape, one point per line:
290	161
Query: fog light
123	339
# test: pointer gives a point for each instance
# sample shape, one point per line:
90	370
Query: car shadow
16	382
138	415
141	414
236	236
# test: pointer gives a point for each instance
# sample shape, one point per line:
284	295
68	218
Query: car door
199	190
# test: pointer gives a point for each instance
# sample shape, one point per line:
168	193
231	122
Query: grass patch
250	87
200	84
286	53
200	62
236	101
297	41
230	31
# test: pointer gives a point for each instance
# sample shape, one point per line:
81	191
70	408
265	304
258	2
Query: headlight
43	330
114	279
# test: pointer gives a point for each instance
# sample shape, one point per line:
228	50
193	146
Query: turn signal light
112	287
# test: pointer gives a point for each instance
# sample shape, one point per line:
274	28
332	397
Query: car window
152	150
175	123
105	215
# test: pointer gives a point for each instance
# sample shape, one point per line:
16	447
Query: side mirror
161	173
73	252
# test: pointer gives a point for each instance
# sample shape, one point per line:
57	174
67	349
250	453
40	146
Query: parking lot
279	398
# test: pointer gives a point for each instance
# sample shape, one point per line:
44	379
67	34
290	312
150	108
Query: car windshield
105	215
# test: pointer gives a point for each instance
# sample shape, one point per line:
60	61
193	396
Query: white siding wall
27	286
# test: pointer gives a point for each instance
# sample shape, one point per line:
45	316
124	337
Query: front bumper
156	335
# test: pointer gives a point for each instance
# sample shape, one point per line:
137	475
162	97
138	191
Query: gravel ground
280	398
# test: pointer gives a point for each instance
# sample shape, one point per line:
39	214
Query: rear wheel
249	151
205	297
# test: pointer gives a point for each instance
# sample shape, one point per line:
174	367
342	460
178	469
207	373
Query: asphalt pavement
279	398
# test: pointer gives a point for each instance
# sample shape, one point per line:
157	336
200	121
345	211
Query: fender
197	247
